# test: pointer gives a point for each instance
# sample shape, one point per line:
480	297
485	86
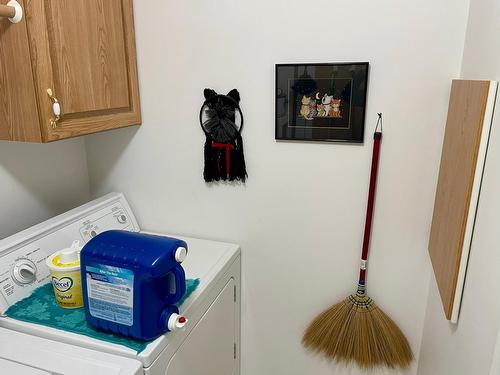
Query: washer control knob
24	272
122	219
180	254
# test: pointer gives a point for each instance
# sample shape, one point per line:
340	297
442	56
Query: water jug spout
172	320
176	322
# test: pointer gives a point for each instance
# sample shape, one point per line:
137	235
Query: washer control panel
22	265
115	217
22	271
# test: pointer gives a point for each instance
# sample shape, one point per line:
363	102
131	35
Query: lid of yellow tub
56	261
66	258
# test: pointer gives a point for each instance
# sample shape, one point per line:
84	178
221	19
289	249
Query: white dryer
210	343
22	354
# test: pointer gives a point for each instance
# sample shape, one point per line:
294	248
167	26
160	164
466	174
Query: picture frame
324	102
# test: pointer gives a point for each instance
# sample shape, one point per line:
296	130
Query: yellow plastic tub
64	268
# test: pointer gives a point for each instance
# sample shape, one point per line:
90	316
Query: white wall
468	347
40	181
299	218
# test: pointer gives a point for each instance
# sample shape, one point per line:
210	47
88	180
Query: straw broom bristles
357	330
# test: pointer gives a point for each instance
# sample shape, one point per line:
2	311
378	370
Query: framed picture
321	102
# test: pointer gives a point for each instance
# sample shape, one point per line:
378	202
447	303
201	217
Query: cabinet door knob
56	109
13	11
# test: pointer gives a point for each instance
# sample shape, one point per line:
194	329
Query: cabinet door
462	163
18	109
84	51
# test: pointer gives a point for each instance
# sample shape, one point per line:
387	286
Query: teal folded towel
41	308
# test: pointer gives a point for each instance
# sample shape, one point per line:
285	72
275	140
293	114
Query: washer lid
15	368
27	354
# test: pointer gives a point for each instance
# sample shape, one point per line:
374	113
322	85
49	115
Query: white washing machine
209	345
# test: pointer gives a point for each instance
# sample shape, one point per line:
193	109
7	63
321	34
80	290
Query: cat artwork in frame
322	102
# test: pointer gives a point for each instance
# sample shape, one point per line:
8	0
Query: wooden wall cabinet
84	52
470	115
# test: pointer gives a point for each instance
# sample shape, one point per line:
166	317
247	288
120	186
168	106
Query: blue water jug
131	283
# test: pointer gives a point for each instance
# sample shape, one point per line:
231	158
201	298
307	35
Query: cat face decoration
221	120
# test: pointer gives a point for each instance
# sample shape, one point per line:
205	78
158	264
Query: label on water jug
110	293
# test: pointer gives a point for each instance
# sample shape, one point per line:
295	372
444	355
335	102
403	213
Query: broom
356	329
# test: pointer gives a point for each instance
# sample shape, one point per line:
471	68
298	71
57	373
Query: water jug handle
180	284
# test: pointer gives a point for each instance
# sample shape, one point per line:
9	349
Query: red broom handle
377	139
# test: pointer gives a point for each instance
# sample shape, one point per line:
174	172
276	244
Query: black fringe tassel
215	162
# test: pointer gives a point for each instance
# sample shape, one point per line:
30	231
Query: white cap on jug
180	254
